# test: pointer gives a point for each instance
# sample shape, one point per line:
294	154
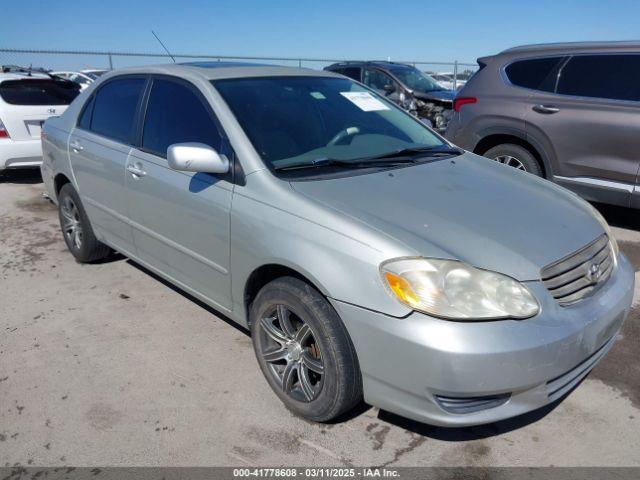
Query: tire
325	343
515	156
76	228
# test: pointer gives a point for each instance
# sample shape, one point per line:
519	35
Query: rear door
592	119
181	220
27	102
98	149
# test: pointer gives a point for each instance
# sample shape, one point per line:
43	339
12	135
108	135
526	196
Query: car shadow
621	217
23	176
190	297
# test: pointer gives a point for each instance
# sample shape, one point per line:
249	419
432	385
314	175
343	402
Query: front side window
377	80
114	108
534	73
33	91
615	77
175	114
298	120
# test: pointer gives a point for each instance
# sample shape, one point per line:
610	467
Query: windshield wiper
420	152
332	162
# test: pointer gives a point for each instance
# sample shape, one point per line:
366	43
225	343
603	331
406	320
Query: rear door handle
136	171
75	146
545	109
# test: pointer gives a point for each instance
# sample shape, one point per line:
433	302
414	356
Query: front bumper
20	154
407	363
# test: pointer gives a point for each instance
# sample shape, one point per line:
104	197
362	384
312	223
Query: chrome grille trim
570	279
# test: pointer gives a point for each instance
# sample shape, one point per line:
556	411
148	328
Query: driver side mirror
196	157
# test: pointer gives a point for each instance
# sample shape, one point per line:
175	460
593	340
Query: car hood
442	95
466	208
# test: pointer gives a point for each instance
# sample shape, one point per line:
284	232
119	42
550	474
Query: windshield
415	79
295	120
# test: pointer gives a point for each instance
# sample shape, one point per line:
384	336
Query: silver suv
569	112
368	257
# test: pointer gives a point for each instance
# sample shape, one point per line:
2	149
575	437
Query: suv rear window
615	77
39	92
533	73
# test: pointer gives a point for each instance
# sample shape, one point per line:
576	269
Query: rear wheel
304	350
76	229
515	156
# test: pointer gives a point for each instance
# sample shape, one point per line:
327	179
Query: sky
443	30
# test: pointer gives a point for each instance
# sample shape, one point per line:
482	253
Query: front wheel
304	350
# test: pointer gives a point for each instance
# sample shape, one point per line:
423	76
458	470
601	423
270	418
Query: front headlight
607	229
454	290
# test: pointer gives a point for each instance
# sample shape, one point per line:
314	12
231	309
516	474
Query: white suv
27	99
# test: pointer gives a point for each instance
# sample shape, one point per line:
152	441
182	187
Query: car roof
375	63
568	47
23	76
221	70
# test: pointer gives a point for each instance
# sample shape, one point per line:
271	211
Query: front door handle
136	171
545	109
76	147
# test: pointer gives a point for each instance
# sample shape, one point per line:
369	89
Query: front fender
340	257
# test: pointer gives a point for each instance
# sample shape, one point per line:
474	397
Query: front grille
572	278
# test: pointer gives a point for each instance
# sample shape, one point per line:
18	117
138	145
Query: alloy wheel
292	354
510	161
71	224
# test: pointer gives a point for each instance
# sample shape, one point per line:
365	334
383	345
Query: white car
27	99
446	80
84	78
80	78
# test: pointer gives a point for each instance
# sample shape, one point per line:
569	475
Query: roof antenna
165	48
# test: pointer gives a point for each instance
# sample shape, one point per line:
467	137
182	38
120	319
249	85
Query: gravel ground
108	365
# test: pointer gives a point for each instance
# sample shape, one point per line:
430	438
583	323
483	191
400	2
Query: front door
180	220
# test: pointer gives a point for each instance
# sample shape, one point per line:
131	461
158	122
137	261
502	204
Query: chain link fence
451	74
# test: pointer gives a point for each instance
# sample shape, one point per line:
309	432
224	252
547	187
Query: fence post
110	62
455	75
300	63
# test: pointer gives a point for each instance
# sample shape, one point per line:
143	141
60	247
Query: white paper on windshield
364	101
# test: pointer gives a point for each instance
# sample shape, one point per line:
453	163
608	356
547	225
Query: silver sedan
370	259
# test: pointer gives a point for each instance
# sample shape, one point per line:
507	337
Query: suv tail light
460	101
3	131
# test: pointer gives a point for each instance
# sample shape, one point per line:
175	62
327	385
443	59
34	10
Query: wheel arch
59	181
490	139
267	273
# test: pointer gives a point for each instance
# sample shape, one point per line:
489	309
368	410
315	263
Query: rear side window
114	108
533	73
351	72
615	77
39	92
175	114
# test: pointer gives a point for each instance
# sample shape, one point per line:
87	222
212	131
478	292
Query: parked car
568	112
447	80
368	257
83	78
27	98
413	90
80	78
